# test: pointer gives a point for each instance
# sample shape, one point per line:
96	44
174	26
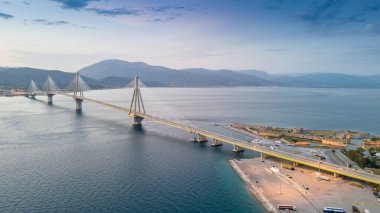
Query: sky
277	36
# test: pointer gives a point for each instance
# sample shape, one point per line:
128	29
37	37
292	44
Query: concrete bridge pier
50	98
78	102
237	149
295	164
216	142
33	96
262	155
137	120
199	138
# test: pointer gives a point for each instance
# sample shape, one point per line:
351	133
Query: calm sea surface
54	160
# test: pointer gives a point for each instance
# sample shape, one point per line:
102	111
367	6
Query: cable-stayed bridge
137	112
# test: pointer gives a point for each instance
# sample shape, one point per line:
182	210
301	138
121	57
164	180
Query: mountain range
21	77
118	73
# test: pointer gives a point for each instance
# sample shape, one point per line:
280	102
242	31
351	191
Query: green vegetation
374	186
375	139
373	150
358	157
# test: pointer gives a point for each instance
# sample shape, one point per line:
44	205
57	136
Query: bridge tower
33	89
50	88
78	93
137	109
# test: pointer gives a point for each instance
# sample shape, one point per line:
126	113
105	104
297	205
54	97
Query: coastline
271	185
255	191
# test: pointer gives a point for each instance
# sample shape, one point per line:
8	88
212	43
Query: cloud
74	4
26	2
114	12
87	27
168	18
49	23
5	16
323	13
166	8
373	28
4	2
325	9
166	13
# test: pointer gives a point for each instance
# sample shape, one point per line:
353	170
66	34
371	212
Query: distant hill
257	73
329	80
199	77
118	73
118	82
171	77
21	77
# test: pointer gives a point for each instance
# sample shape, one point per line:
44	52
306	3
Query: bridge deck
360	175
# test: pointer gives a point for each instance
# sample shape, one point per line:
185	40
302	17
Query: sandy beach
272	186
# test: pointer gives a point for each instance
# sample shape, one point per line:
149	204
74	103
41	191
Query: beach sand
300	187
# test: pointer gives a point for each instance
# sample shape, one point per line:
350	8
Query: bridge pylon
137	109
78	93
50	88
33	90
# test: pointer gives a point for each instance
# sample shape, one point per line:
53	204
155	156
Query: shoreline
273	185
255	191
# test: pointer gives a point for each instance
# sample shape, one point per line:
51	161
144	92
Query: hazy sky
277	36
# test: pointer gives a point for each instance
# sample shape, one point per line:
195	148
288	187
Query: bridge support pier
336	175
137	120
199	138
33	96
78	104
262	155
295	164
216	142
50	98
237	149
